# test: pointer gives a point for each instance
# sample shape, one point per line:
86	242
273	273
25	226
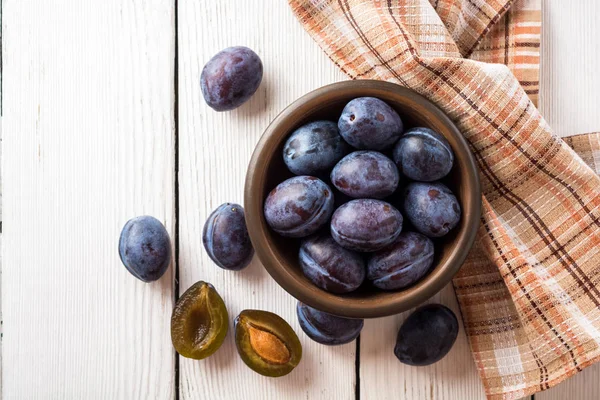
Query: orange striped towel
529	292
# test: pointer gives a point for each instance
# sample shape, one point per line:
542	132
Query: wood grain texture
570	99
383	377
88	143
570	83
215	149
89	129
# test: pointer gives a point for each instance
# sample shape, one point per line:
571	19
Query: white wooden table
103	120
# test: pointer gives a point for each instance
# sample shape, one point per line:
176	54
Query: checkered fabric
529	292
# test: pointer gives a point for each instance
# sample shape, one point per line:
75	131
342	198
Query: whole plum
331	267
230	78
299	206
424	155
368	123
402	263
365	174
426	336
366	225
314	148
431	207
325	328
145	248
225	237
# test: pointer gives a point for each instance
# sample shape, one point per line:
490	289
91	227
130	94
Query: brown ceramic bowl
279	255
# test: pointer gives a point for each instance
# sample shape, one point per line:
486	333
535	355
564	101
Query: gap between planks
176	181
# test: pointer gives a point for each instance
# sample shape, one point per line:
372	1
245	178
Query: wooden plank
214	152
570	84
570	88
383	377
89	136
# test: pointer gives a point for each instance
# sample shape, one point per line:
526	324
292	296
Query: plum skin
402	263
365	174
366	225
325	328
330	266
225	237
432	208
423	155
145	248
314	148
299	206
368	123
426	336
230	78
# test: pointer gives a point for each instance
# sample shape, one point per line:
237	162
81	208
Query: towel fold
529	292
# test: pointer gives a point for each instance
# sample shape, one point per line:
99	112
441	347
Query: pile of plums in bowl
362	199
367	200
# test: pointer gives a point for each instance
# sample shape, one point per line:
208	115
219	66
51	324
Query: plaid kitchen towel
529	292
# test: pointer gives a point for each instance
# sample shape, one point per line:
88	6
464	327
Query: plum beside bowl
279	255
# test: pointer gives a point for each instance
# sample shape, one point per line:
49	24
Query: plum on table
145	248
426	336
230	78
225	237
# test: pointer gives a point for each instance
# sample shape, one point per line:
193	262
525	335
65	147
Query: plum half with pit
267	343
432	208
330	266
426	336
299	206
326	328
402	263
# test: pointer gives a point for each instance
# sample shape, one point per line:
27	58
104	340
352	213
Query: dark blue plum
426	336
314	148
365	174
145	248
402	263
330	266
424	155
299	206
225	237
325	328
368	123
432	208
366	225
230	78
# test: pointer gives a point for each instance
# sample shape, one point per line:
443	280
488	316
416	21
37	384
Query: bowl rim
337	304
